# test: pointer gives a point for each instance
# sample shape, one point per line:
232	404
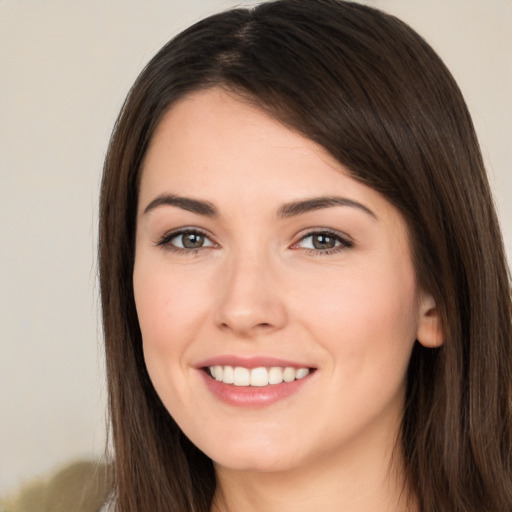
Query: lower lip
252	396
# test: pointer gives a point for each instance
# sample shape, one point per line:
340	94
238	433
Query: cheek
367	316
169	308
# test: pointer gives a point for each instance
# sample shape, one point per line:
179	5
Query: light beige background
65	67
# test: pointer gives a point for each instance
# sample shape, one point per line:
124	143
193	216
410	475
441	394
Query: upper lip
250	362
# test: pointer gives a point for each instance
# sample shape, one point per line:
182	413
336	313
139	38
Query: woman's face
258	259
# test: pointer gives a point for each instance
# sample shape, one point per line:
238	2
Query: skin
259	287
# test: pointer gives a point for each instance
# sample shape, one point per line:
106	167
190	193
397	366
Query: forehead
215	146
215	129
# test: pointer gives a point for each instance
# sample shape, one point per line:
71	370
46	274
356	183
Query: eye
323	242
192	240
185	240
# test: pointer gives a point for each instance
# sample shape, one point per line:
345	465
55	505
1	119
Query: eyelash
342	241
165	241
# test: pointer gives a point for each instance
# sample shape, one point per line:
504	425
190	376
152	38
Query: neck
360	482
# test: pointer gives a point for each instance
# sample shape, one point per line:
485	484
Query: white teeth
258	377
242	376
289	374
217	373
301	373
228	375
275	375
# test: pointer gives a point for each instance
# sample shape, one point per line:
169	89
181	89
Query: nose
250	298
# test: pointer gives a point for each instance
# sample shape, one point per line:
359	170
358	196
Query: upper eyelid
344	243
172	233
323	230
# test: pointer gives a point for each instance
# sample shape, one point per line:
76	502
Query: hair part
366	87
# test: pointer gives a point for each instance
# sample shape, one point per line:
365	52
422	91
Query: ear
430	331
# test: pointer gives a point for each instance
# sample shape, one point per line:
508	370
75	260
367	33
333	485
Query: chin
254	463
257	459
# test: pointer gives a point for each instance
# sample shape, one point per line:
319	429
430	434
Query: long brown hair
372	92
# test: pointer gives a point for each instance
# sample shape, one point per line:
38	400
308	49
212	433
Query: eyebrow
192	205
287	210
318	203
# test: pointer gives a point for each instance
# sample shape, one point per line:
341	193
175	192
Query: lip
251	397
250	362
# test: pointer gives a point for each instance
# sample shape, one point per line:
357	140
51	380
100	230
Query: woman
305	297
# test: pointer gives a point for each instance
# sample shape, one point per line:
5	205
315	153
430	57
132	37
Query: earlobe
430	331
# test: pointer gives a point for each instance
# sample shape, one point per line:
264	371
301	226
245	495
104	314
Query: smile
256	377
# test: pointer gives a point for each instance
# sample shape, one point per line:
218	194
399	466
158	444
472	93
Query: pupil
193	240
323	242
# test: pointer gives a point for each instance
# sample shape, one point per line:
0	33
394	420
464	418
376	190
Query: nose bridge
249	297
